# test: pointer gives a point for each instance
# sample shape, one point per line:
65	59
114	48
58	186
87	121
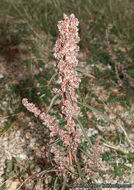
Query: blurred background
28	32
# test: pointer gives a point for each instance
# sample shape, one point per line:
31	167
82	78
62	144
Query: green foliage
125	157
60	143
121	138
7	124
84	119
120	167
93	138
117	169
108	156
84	146
3	188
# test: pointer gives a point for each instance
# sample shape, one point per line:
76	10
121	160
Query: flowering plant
66	50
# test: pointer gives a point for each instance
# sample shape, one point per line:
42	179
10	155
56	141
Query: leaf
70	99
9	165
86	153
55	183
52	102
86	74
84	132
52	78
95	110
118	171
7	128
125	167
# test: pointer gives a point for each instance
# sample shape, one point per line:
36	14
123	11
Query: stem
84	133
70	161
55	183
95	110
52	78
64	183
87	154
69	96
52	102
86	74
78	166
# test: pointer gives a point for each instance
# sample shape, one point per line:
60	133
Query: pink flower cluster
62	160
47	119
93	163
65	52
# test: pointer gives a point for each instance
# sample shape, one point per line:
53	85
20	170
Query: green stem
95	110
55	183
87	154
84	133
52	102
64	183
78	166
52	78
86	74
69	96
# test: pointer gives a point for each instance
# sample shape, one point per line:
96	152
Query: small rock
48	180
38	153
1	76
119	107
28	135
119	129
31	158
131	136
22	156
112	116
89	114
126	144
94	132
12	185
112	127
33	140
115	90
37	169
